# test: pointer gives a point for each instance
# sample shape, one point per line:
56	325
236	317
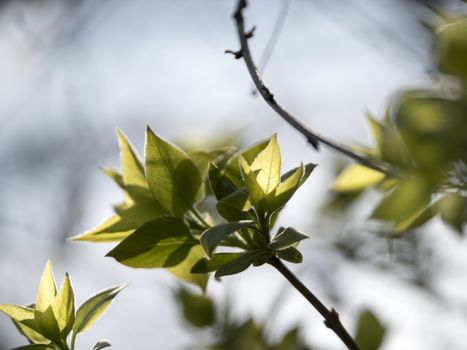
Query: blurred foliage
48	322
226	332
424	135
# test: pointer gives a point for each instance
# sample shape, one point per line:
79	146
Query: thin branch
331	317
312	137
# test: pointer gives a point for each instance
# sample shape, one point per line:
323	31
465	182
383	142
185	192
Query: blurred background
72	71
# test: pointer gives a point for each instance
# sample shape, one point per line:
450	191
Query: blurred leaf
452	48
411	196
64	307
162	242
356	177
286	238
93	308
183	270
209	265
213	236
418	218
290	254
453	210
173	178
241	263
198	310
370	331
101	344
35	347
47	289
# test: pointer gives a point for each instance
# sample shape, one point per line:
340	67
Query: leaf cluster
48	322
159	224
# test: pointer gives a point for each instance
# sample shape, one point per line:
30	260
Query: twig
312	137
331	317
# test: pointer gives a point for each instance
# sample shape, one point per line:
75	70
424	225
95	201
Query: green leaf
17	312
268	165
232	169
101	344
370	331
132	171
48	324
122	224
452	48
220	184
114	175
356	177
198	310
93	308
411	196
290	254
453	210
173	178
206	265
184	270
241	263
255	191
419	217
47	289
287	238
213	236
32	335
64	307
282	193
376	131
35	347
202	159
162	242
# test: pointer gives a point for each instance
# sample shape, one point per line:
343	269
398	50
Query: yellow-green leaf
356	177
183	270
173	178
268	165
47	289
64	306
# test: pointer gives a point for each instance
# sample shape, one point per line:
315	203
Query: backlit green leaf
90	311
173	178
132	171
64	307
162	242
287	238
35	347
240	264
220	184
268	165
255	191
48	324
183	270
17	312
356	177
47	289
214	236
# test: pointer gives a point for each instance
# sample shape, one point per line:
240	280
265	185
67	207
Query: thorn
268	96
237	54
314	142
249	34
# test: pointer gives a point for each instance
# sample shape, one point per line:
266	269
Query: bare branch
312	137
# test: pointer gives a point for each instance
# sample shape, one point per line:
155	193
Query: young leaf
48	324
453	210
35	347
287	238
240	264
213	236
290	254
183	270
356	177
64	307
114	175
255	190
268	165
162	242
47	289
17	312
370	331
101	344
132	170
173	178
122	224
220	184
92	309
209	265
33	336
